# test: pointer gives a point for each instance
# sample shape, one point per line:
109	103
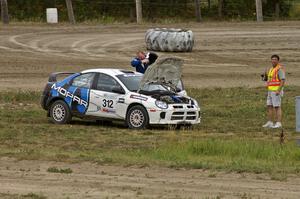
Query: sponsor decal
139	97
106	110
121	100
109	96
130	75
152	110
69	95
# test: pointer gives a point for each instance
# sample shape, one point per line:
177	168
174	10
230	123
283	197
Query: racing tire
169	40
137	117
60	112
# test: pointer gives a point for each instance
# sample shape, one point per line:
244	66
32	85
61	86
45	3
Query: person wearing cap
143	60
275	78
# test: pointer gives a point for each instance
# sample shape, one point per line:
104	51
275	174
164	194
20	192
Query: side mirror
118	89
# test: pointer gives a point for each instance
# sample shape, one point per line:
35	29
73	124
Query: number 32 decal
108	103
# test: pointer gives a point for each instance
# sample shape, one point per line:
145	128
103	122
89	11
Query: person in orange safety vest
275	78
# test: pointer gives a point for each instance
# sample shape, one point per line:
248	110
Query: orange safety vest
273	82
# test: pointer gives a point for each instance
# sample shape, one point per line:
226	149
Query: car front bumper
175	114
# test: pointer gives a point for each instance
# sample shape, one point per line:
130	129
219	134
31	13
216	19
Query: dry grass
229	138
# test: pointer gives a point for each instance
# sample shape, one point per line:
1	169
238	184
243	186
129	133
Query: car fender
133	99
50	101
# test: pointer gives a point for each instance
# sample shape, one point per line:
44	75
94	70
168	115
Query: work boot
269	124
277	125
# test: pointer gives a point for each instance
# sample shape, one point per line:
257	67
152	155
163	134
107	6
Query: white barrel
298	114
52	16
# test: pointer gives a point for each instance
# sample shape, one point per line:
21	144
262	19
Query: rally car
156	97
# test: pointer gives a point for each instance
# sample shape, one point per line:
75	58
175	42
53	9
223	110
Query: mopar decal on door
68	94
76	98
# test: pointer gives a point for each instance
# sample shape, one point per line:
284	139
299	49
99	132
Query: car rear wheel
137	117
60	113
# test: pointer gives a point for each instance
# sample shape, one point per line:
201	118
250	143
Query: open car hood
166	71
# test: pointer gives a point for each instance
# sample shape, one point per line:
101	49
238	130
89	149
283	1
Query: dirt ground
225	55
97	181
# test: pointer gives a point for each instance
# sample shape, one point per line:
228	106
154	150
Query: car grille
180	106
190	117
177	106
180	115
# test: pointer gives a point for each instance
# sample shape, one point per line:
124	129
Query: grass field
229	137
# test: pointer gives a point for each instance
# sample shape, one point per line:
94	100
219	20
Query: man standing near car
143	60
275	77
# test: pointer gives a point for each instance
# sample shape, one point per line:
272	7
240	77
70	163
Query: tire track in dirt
33	46
220	49
92	46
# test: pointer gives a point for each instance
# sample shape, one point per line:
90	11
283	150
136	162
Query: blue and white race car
155	98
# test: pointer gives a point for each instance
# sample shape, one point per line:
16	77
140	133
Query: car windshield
154	87
131	81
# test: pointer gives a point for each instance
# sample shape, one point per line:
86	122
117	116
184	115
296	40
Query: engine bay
167	96
172	99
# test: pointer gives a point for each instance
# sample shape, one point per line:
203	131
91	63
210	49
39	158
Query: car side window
106	83
84	81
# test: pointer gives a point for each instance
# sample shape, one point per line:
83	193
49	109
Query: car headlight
195	102
161	104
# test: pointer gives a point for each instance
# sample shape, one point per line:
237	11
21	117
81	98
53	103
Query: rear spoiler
53	76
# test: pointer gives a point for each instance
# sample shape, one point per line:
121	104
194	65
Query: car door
77	95
105	97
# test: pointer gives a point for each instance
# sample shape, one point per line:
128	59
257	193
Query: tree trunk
70	11
220	8
132	14
259	12
4	12
209	4
198	11
277	9
139	15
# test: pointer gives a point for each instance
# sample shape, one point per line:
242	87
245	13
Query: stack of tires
169	40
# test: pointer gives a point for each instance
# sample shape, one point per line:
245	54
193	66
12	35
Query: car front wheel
137	117
60	113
